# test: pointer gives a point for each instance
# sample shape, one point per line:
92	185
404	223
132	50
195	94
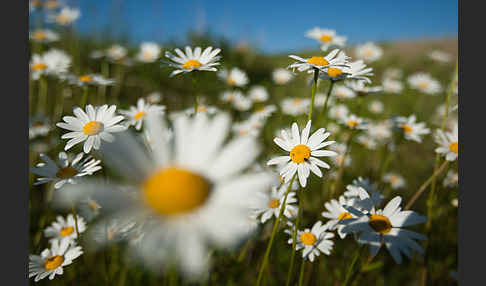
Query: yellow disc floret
407	128
139	115
318	61
344	215
352	123
92	128
191	64
308	238
380	223
66	172
39	66
53	262
334	72
325	38
300	153
274	203
174	191
86	78
454	147
65	231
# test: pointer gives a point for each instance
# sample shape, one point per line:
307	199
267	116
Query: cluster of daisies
196	172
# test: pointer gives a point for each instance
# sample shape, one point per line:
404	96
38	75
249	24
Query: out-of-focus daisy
454	202
66	16
451	179
359	87
367	141
336	212
53	259
137	114
354	70
250	127
258	93
392	73
354	122
411	129
386	226
333	127
65	228
154	97
111	230
116	53
303	151
448	143
149	52
439	56
39	126
376	107
88	79
295	106
193	60
369	52
326	37
339	159
343	92
193	184
338	112
92	126
320	100
424	83
237	99
334	59
234	77
314	241
274	201
44	36
89	209
53	62
392	86
395	180
281	76
380	130
65	171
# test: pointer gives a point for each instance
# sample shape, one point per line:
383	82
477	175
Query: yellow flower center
454	147
334	72
230	81
261	109
174	191
368	53
326	38
40	35
85	78
65	231
274	203
380	223
202	109
139	115
39	66
318	61
352	123
423	85
300	153
296	101
93	205
147	55
308	238
62	19
52	4
92	128
407	128
393	179
344	215
340	159
191	64
66	172
53	262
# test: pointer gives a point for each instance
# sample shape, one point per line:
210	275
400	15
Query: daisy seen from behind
196	60
137	114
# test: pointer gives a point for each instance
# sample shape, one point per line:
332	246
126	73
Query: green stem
84	97
324	108
314	90
301	275
75	220
274	232
194	84
294	241
350	270
42	103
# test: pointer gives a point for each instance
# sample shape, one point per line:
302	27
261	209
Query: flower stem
302	268
341	167
350	270
84	97
194	84
274	232
324	108
294	242
75	220
314	90
42	103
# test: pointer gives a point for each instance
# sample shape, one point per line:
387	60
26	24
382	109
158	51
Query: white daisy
386	226
92	126
192	185
137	114
258	93
380	131
193	60
343	92
320	100
367	141
263	112
326	37
39	126
392	73
295	106
354	70
65	170
339	159
111	230
282	76
369	52
424	83
149	52
439	56
338	112
336	212
376	107
154	97
116	53
411	129
303	151
455	202
53	62
354	122
334	59
65	228
392	86
234	77
395	180
44	36
88	79
361	89
249	127
314	241
451	179
52	260
66	16
89	209
448	143
273	202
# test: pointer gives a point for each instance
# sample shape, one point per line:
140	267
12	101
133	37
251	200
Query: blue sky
272	26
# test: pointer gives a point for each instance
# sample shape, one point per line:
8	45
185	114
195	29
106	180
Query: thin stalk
194	84
314	90
301	275
324	108
341	167
42	101
84	97
274	232
294	241
59	105
75	220
350	270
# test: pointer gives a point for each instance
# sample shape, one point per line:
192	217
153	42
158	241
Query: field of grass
51	98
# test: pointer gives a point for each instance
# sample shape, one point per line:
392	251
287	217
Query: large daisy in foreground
303	151
193	60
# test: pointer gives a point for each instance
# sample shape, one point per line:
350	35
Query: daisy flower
439	56
282	76
339	159
367	141
361	89
263	112
44	36
451	179
380	131
149	52
65	170
392	86
111	230
39	126
88	79
116	53
387	226
92	126
89	209
334	59
393	73
137	114
314	241
354	70
376	107
425	83
249	127
202	108
258	93
362	195
369	52
411	129
66	16
295	106
303	151
154	97
194	184
274	201
234	77
338	112
52	260
395	180
336	212
193	60
65	228
320	100
448	143
327	38
354	122
53	62
343	92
